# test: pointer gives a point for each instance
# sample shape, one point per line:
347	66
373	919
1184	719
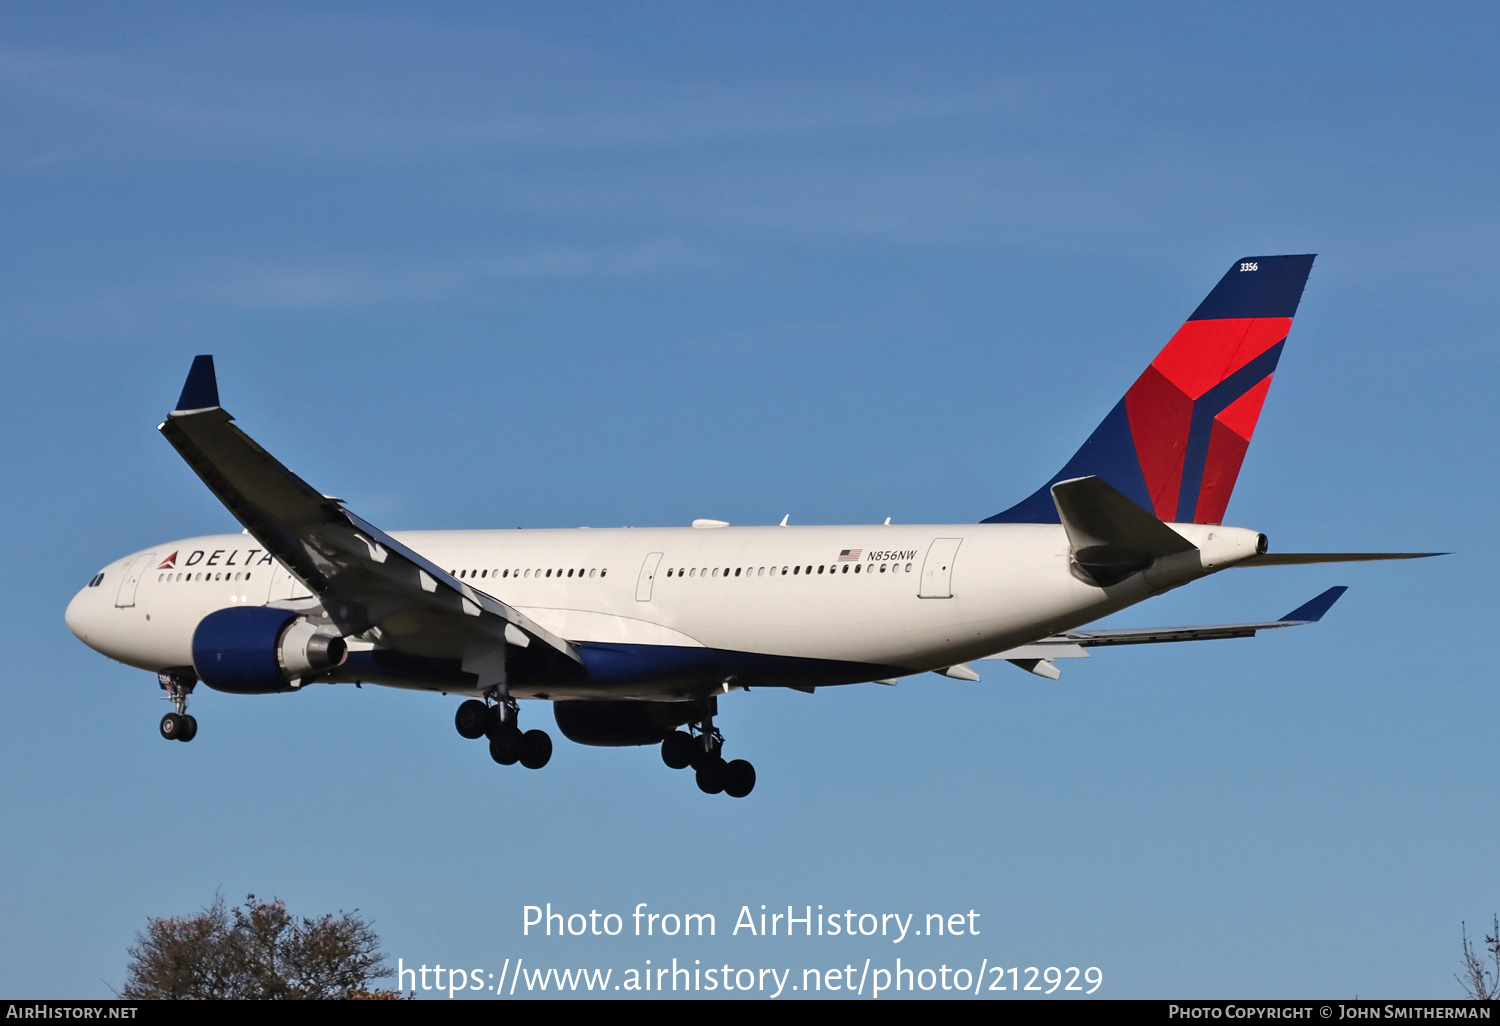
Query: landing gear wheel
739	778
173	726
677	750
536	749
711	775
192	728
702	756
473	719
505	747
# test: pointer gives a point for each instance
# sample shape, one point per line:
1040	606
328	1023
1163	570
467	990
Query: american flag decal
849	555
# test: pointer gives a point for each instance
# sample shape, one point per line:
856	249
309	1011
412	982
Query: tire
711	776
173	726
739	778
536	749
700	756
192	729
505	747
472	719
677	750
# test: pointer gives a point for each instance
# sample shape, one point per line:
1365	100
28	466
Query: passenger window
591	574
603	572
247	577
908	568
761	572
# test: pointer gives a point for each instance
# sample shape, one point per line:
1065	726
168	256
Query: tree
257	951
1480	981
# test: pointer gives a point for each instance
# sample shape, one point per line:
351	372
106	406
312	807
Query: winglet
1312	611
201	390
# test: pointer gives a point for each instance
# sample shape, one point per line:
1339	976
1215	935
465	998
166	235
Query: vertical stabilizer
1175	442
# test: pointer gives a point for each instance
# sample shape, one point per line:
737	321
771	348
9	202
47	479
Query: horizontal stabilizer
1305	558
1074	644
1111	536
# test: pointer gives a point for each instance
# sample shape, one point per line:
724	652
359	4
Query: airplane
634	634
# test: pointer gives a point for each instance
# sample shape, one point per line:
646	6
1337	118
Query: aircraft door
937	571
648	577
125	597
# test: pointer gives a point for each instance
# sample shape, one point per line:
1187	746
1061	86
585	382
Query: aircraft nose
77	617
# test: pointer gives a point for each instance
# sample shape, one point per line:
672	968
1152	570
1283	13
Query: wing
1038	656
367	582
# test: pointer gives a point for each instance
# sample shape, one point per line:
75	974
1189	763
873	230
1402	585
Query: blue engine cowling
251	650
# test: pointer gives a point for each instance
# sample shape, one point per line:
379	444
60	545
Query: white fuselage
908	598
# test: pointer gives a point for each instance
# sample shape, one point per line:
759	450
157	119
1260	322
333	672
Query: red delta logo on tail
1175	442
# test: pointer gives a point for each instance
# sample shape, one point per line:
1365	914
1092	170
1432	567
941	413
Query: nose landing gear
508	745
178	726
701	747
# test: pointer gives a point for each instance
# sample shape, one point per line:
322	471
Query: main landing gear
508	746
703	750
178	726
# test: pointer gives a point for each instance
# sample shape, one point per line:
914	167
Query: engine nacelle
616	724
257	650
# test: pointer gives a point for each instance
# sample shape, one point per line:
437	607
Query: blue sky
546	265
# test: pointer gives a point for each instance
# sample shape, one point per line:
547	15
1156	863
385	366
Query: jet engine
257	650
